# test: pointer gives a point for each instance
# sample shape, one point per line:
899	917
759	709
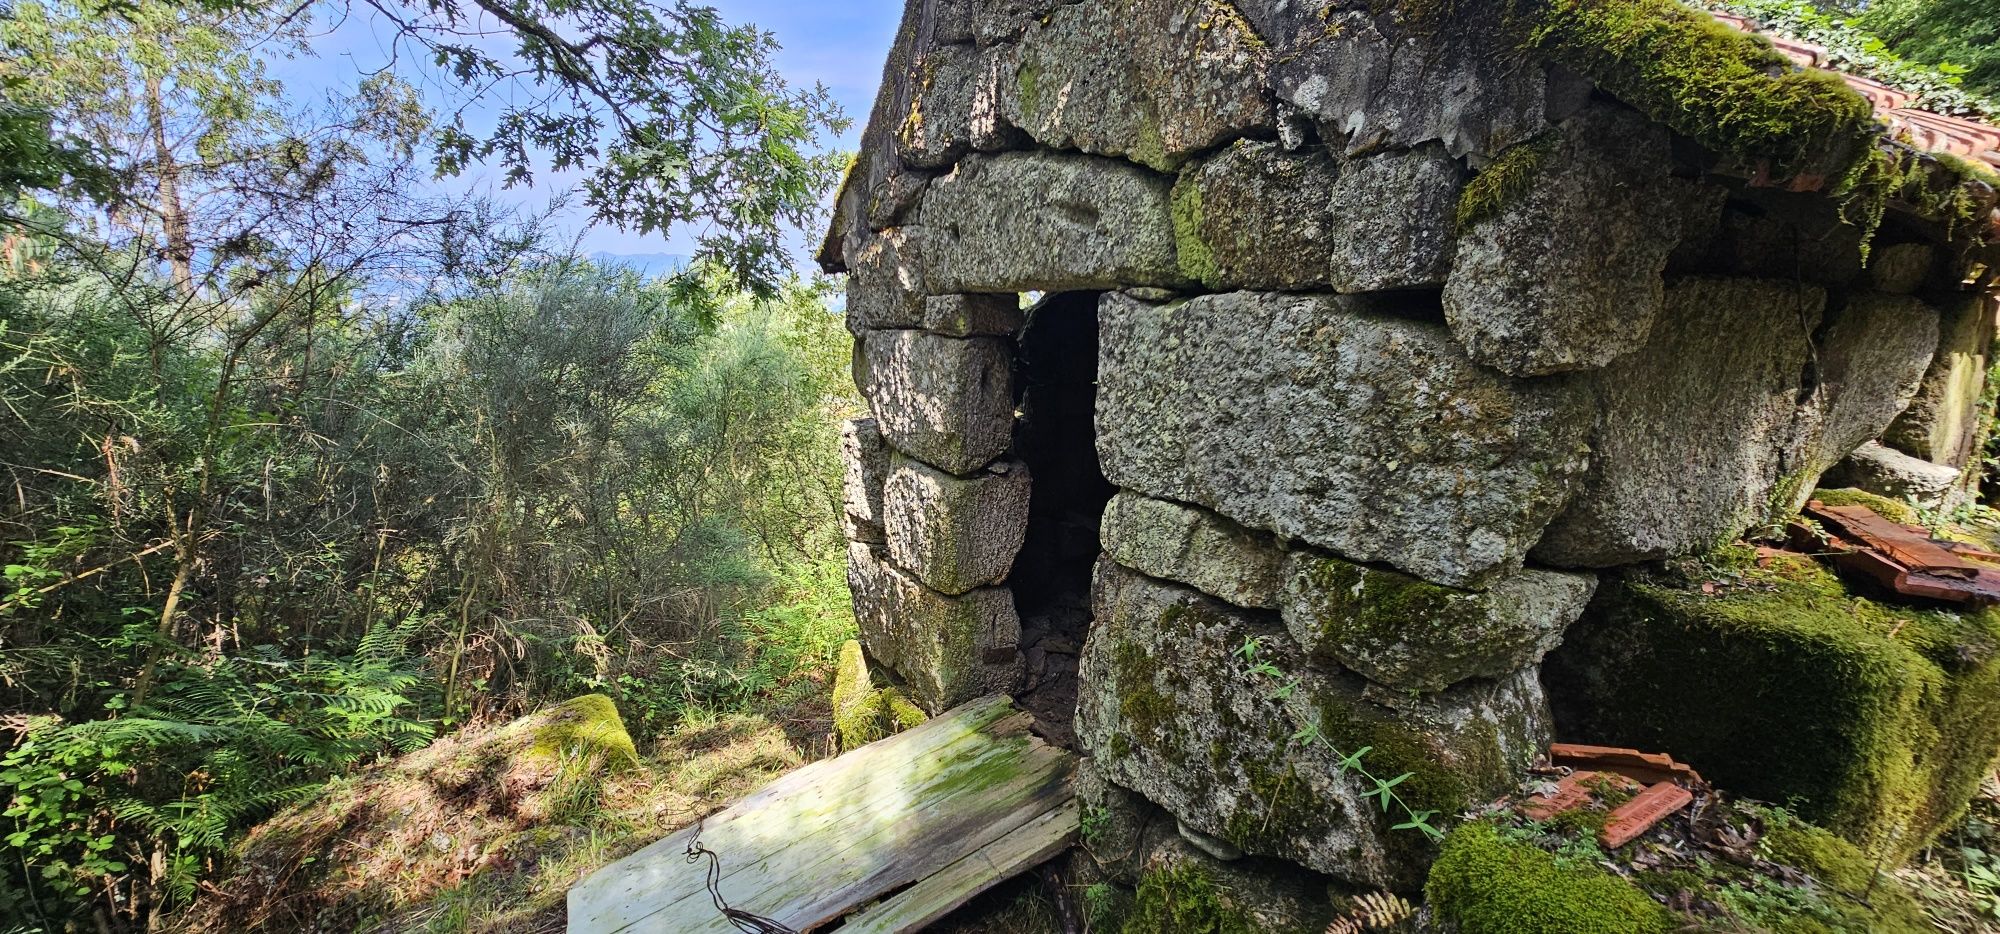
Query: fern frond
1375	911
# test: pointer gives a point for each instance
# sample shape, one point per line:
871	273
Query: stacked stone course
1389	447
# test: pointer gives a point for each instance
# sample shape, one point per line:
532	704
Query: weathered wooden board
842	832
1003	859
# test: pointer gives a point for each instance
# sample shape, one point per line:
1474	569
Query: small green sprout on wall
1381	790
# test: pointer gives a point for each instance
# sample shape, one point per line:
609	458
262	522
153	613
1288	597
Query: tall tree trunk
173	216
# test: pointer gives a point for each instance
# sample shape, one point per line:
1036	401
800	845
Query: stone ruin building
1404	343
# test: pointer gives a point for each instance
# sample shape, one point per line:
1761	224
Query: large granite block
1324	419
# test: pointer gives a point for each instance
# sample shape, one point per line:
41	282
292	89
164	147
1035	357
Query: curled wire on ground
743	921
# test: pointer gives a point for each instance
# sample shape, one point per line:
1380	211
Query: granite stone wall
1387	441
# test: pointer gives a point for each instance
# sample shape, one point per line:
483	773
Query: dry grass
470	835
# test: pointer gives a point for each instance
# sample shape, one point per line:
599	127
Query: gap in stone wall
1056	437
1419	304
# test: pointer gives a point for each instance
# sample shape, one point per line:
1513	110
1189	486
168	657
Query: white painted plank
843	831
1029	846
651	878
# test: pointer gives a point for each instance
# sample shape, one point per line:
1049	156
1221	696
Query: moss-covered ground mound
486	829
1874	720
1721	865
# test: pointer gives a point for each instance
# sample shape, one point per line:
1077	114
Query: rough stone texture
1049	221
1568	275
955	533
1323	419
1941	424
1786	686
1194	547
1784	235
1871	355
997	315
878	187
1401	632
1695	425
1900	268
1363	82
1148	80
866	458
947	650
945	400
1394	212
1133	837
1886	471
1170	711
885	283
954	107
1256	216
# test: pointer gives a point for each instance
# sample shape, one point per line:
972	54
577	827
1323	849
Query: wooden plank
1033	844
859	833
843	831
817	792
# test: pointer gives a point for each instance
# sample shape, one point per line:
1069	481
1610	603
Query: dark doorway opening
1056	436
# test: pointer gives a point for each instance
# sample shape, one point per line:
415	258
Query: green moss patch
1486	883
1872	720
1862	898
1726	864
1726	89
1196	260
1183	898
1894	510
1739	97
863	713
1503	180
586	728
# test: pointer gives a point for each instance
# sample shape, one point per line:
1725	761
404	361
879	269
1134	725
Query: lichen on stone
1196	261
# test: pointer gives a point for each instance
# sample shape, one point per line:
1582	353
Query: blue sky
838	43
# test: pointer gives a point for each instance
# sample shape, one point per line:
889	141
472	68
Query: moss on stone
1379	605
585	728
1864	898
1503	180
1141	706
1395	748
1027	82
857	707
1191	252
1874	721
1728	90
1487	884
1281	805
901	712
1890	509
1186	898
863	713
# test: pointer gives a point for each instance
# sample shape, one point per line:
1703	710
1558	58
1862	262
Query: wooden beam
1032	845
841	832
